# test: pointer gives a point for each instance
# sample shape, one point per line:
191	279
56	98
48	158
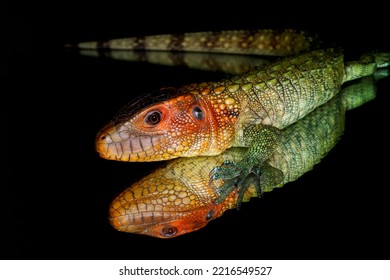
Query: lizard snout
118	143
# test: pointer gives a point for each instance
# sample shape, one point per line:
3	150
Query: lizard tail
257	42
367	65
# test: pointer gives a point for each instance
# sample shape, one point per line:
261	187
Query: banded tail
257	42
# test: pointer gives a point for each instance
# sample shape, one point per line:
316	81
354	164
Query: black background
57	190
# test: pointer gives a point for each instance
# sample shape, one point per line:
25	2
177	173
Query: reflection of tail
367	65
362	91
260	42
217	62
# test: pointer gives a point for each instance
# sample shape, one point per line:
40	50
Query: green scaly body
176	198
247	110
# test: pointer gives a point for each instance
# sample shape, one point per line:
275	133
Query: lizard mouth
116	144
139	222
162	205
160	224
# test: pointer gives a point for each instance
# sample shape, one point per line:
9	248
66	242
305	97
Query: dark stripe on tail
139	43
176	42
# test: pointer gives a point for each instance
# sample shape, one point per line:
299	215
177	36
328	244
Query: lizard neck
223	109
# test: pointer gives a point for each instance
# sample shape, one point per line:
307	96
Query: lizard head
162	205
164	125
175	199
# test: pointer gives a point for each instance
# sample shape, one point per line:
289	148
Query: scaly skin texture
247	110
278	95
177	199
198	50
208	118
260	42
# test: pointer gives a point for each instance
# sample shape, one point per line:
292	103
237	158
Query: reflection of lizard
177	199
244	111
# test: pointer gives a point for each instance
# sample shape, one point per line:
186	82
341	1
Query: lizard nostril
105	138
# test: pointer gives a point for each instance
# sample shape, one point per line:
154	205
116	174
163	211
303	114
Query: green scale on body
247	110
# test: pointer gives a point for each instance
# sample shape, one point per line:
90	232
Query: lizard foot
262	178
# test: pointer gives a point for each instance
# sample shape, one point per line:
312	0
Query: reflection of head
162	205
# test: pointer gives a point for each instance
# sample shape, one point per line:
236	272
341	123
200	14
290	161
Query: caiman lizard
176	199
247	110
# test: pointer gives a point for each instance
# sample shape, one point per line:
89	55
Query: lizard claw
250	179
224	172
225	190
234	177
262	177
215	172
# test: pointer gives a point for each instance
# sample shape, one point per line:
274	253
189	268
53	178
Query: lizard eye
153	118
198	113
169	231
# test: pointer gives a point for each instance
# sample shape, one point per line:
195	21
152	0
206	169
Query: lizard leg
262	140
263	179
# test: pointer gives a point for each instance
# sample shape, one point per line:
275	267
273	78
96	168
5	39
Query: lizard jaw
161	218
116	144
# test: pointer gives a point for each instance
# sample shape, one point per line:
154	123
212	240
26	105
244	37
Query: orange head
175	199
172	123
162	206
